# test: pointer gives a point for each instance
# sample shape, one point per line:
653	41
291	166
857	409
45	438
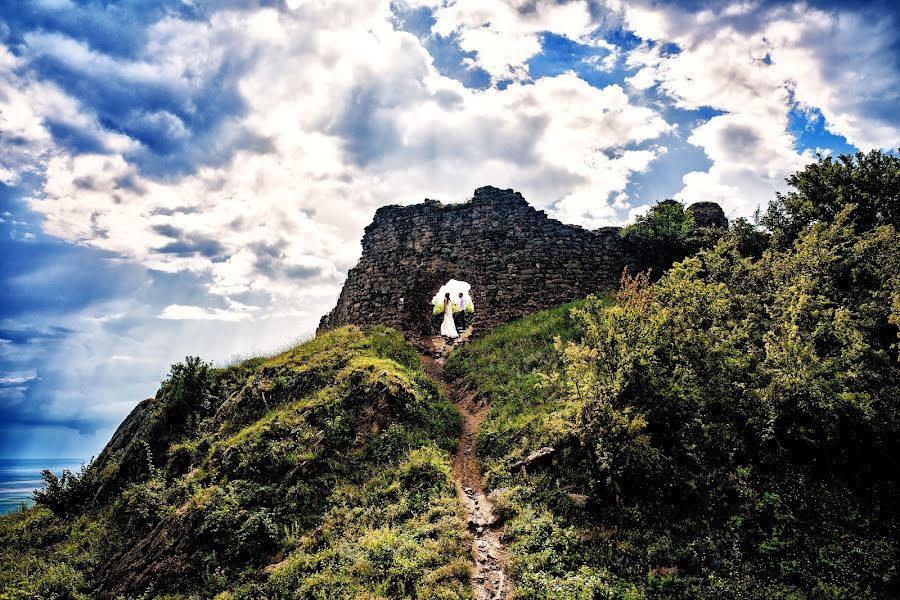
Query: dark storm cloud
178	127
50	276
191	245
367	130
188	244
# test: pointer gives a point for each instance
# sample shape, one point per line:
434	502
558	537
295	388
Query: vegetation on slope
323	472
729	431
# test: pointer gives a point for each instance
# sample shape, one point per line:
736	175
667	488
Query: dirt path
489	578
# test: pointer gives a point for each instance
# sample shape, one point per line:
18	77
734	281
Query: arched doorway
462	305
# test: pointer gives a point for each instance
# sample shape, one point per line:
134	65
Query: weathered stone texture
517	260
708	214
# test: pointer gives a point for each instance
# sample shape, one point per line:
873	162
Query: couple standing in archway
448	326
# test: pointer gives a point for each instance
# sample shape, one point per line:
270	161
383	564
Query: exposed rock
160	561
125	458
578	500
708	214
517	259
539	459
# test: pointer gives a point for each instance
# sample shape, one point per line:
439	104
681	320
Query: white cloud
180	312
751	158
26	138
757	63
362	120
356	116
504	34
17	378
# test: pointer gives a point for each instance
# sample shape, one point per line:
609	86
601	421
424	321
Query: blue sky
186	178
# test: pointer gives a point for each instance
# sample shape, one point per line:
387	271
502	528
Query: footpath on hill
489	578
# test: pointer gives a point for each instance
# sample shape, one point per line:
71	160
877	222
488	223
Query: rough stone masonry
516	258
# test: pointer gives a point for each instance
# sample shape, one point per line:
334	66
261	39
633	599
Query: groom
462	311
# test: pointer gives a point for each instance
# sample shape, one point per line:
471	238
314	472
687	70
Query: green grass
553	551
321	472
509	367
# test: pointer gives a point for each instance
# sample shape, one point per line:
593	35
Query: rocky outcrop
517	259
708	214
125	458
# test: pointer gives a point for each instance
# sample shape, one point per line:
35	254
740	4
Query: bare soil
489	576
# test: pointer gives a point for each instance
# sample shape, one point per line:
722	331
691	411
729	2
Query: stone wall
708	214
516	258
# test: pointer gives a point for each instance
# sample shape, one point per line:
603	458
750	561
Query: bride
448	327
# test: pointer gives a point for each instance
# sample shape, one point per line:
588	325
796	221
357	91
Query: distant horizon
43	458
18	484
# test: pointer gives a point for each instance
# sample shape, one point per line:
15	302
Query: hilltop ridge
516	258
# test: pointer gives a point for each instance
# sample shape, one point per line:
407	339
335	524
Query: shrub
184	398
69	494
659	238
59	582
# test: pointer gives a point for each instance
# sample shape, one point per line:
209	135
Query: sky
193	178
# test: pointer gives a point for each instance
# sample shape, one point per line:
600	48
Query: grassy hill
728	431
727	428
323	472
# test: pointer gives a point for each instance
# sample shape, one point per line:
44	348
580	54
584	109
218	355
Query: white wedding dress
448	327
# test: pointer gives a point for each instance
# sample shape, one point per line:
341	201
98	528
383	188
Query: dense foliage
729	431
664	235
322	472
866	184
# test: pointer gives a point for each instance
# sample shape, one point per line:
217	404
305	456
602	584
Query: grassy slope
555	551
561	543
323	472
507	367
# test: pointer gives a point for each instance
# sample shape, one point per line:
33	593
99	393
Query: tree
663	236
184	398
68	494
867	183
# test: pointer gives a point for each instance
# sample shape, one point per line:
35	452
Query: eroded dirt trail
489	577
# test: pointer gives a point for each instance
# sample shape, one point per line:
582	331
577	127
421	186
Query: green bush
184	398
438	309
69	494
664	235
59	582
728	431
323	471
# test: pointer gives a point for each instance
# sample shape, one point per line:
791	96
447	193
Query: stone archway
517	259
418	308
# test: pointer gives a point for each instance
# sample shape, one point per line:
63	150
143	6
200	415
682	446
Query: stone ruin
516	258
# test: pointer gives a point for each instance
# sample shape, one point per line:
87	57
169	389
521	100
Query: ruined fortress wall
517	260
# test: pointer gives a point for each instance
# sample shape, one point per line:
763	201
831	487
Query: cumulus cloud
178	312
750	158
363	119
354	115
757	63
504	34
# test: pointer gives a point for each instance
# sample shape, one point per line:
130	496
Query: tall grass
507	367
260	355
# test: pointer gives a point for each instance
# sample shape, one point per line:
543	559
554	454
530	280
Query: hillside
730	431
726	425
321	472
